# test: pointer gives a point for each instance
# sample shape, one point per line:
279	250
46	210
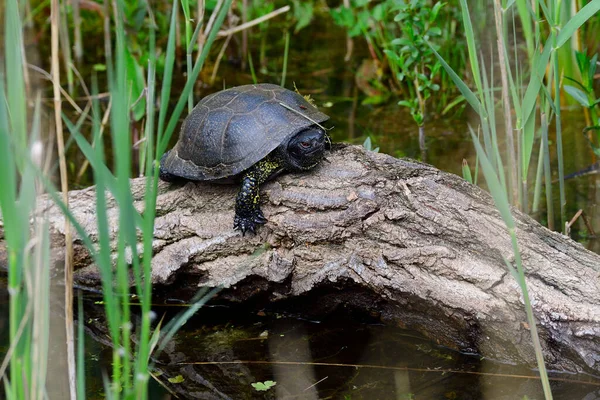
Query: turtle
247	134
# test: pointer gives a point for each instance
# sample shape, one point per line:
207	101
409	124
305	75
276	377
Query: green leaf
392	56
136	83
462	86
376	99
8	177
342	17
497	190
435	11
435	31
368	145
578	95
378	13
263	386
15	84
508	4
407	103
459	99
595	149
567	31
472	53
185	4
528	139
401	42
303	12
540	64
466	171
401	16
176	379
593	65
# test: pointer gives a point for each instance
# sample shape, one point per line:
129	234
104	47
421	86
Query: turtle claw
259	217
247	223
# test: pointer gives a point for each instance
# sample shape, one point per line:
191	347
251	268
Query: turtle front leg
247	207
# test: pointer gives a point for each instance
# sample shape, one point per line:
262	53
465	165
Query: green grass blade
285	58
251	65
537	193
15	84
466	171
103	255
197	302
470	36
488	119
189	60
8	178
540	64
528	136
190	83
462	86
548	16
497	190
559	146
126	238
547	172
524	17
145	291
567	31
165	92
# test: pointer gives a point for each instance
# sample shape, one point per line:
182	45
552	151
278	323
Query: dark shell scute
220	99
241	127
205	148
245	104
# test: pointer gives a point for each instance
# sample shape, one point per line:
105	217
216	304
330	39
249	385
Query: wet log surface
397	239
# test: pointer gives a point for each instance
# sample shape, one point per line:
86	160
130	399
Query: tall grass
18	176
28	250
541	95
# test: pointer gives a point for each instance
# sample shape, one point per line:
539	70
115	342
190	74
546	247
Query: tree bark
416	246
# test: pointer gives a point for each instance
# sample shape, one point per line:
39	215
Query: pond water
347	356
222	351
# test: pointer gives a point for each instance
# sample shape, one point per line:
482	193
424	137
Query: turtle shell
231	130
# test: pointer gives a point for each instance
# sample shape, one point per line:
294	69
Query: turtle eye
305	144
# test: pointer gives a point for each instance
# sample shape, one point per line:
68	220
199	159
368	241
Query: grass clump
530	98
126	274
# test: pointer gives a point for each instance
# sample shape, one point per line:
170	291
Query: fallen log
416	246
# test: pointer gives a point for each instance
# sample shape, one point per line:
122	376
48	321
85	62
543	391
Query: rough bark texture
421	248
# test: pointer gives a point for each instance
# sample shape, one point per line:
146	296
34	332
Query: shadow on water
225	349
221	351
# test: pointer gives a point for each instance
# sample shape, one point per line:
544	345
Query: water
305	357
345	355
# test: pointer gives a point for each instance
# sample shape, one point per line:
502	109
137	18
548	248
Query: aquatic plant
415	61
585	95
395	34
24	367
543	60
28	280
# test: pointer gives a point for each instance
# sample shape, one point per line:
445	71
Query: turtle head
306	148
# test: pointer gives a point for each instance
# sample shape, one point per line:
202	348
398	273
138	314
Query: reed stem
68	266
